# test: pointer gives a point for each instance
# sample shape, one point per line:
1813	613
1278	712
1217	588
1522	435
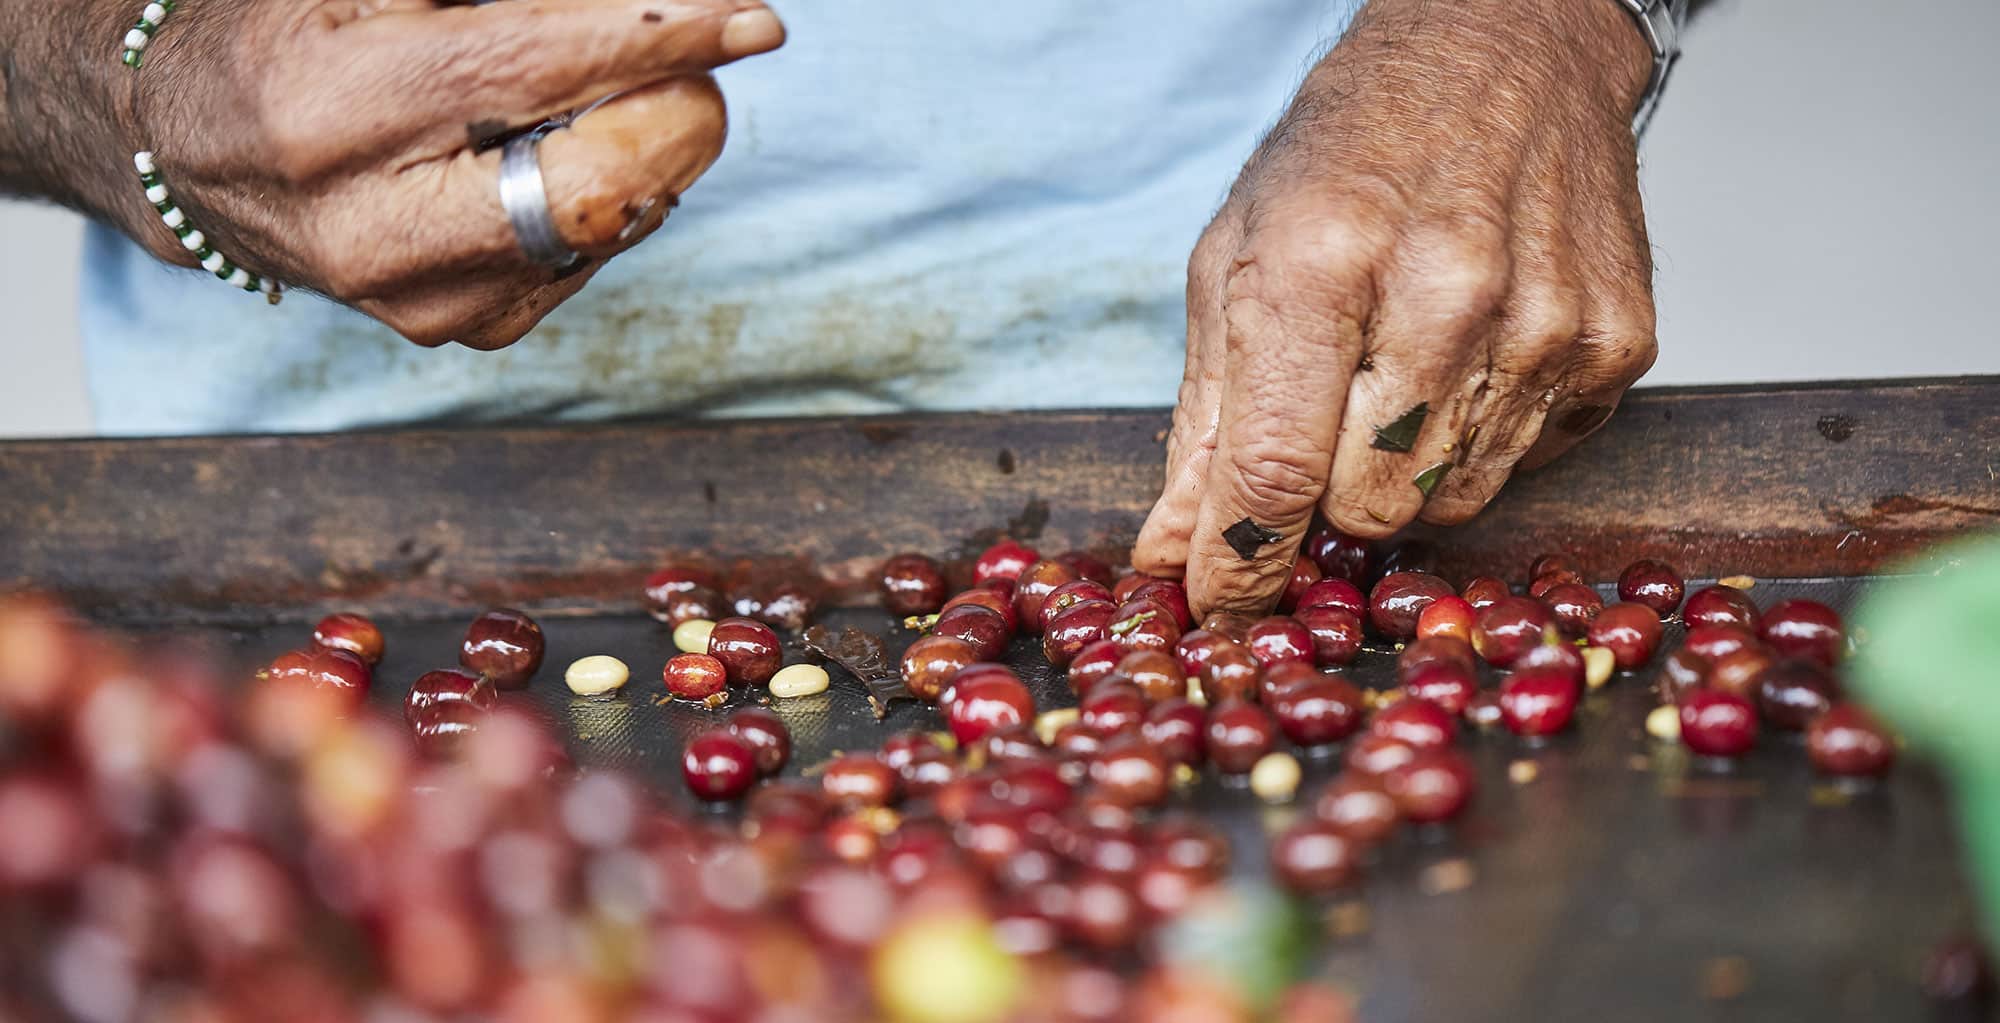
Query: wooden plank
1835	479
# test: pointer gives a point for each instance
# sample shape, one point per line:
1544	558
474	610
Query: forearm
64	105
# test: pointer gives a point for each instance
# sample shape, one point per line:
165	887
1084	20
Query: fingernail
754	30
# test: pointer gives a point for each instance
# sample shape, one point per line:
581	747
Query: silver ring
526	200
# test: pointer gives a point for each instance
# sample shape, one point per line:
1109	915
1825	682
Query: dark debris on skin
1246	538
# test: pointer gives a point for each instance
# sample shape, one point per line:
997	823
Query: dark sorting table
1621	881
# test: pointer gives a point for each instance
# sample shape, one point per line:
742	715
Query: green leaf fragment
1122	627
1429	479
1401	435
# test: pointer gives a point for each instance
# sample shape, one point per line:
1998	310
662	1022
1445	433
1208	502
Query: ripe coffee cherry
1239	734
989	701
1277	639
982	628
1419	724
748	650
1003	560
1178	729
1435	650
1792	693
322	668
1338	555
1447	616
1509	627
1714	642
1400	598
989	598
1575	606
1169	594
1336	633
1449	685
1562	657
1630	631
1113	707
1087	566
1435	785
446	686
1374	754
1033	586
1683	672
664	588
1157	674
1552	564
858	779
1741	672
1359	807
352	633
1846	742
1304	574
1313	857
1143	624
770	740
696	677
1094	664
1538	702
1068	595
1717	724
1807	629
1130	772
912	584
719	765
1315	713
1074	629
1484	591
1334	592
505	646
1230	674
1654	584
1720	605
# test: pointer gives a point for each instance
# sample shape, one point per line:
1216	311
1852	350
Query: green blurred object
1929	663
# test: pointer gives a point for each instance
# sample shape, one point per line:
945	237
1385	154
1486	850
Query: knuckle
1277	482
420	326
1458	271
297	140
1327	259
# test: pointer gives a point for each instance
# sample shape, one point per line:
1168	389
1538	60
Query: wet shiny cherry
980	627
324	669
858	779
1720	605
1683	672
1081	625
1335	592
1313	857
1094	664
1315	713
1033	586
1374	755
696	677
719	765
1847	742
1143	624
1447	616
1419	724
1277	638
1509	627
1087	566
930	663
1483	591
1630	631
1449	685
1157	674
504	645
989	701
1335	631
1168	593
663	587
1338	555
1807	629
352	633
1230	674
1400	598
1435	785
1538	702
1654	584
1238	735
770	740
1304	574
1717	724
1794	692
1068	595
445	686
1436	649
1575	606
1358	806
1177	729
1003	560
1714	642
1113	707
748	650
1741	671
989	598
912	584
1129	771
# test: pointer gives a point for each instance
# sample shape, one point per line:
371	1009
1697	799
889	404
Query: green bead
184	230
149	180
164	207
132	58
222	272
169	5
254	284
147	27
204	252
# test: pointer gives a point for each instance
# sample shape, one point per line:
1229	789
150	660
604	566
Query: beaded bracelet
191	237
141	35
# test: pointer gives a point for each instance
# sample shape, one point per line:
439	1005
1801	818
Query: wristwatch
1661	22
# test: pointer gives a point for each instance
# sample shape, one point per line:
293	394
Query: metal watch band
1661	22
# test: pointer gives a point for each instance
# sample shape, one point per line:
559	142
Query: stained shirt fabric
920	206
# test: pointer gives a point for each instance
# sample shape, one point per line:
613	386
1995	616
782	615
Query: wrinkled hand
1434	270
338	144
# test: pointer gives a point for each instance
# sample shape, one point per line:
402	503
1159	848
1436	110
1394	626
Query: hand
1434	270
337	145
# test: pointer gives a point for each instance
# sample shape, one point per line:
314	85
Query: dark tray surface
1605	889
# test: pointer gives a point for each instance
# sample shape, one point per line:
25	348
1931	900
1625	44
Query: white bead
174	218
239	279
137	40
154	13
267	286
143	161
214	262
194	241
156	193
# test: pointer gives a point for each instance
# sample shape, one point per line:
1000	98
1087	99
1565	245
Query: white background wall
1824	190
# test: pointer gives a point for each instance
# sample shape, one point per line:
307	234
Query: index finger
1295	306
443	78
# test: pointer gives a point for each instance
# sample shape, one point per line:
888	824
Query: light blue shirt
921	206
